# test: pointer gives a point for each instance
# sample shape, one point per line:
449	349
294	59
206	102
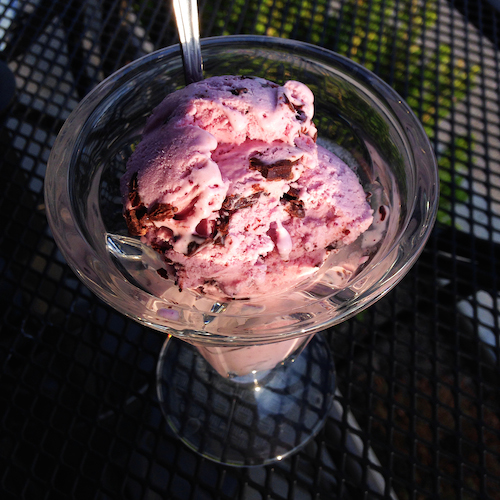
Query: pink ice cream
229	185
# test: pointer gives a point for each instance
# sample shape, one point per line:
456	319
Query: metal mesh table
417	410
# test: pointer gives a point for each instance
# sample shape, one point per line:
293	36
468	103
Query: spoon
186	16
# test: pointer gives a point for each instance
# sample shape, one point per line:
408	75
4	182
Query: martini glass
244	382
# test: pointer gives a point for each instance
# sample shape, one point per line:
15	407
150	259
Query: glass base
250	422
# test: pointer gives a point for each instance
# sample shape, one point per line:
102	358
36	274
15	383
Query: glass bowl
251	345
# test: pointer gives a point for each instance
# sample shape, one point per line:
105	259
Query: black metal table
417	411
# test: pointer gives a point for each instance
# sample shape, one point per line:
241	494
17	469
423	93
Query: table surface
417	411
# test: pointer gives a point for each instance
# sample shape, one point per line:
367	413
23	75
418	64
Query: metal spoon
186	16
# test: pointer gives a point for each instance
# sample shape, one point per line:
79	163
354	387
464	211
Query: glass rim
67	141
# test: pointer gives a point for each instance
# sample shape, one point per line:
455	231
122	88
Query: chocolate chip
294	208
161	246
239	91
163	273
295	108
135	219
221	228
237	202
292	193
383	213
194	247
280	170
161	212
133	191
289	103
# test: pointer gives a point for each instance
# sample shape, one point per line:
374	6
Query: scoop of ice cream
235	109
229	186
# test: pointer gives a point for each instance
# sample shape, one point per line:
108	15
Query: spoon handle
186	15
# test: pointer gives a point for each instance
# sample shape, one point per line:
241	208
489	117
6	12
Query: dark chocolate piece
383	213
280	170
221	228
194	247
294	206
161	212
236	202
289	103
239	91
299	113
135	220
133	191
160	246
292	193
163	273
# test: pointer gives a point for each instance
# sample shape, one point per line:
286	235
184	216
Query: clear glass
365	120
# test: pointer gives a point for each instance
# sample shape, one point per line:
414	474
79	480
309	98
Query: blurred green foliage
397	40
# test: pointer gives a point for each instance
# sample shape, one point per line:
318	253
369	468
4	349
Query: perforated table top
417	411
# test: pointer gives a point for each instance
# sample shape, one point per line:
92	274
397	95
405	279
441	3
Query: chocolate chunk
296	209
221	228
289	103
383	213
280	170
292	193
133	191
239	91
300	115
160	246
297	109
135	219
294	206
194	247
163	273
236	202
161	212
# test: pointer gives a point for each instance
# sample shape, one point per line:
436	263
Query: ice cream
230	187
